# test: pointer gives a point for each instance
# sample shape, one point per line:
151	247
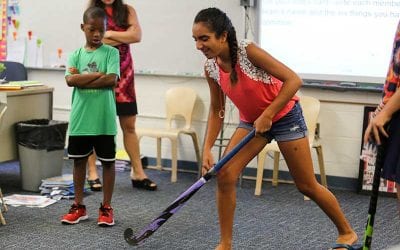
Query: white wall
341	117
341	114
166	26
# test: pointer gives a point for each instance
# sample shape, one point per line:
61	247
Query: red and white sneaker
106	216
76	213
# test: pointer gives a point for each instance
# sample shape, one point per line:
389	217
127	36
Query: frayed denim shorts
290	127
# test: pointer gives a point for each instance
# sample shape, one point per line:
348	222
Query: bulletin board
366	170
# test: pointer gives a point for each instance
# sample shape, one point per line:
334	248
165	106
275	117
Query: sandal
347	246
146	184
95	185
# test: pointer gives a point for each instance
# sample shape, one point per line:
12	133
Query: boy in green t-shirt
93	71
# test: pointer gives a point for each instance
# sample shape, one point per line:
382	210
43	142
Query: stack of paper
122	162
16	200
59	187
122	166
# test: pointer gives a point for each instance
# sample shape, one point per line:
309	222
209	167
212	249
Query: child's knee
81	162
305	190
226	182
107	164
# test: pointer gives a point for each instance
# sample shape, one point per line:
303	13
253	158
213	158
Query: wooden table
22	105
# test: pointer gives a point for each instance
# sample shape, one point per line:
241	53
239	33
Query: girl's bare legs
303	175
227	178
298	158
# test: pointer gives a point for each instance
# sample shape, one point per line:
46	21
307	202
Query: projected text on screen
330	37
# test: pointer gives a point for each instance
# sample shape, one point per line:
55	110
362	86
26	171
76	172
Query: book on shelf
16	85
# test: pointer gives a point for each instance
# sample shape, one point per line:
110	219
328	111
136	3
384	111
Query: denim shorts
290	127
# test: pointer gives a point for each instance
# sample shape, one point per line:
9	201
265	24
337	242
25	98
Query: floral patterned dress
125	90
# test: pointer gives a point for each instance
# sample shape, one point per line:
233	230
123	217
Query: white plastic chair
3	206
311	108
179	103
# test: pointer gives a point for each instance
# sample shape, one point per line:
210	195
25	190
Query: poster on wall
3	32
367	168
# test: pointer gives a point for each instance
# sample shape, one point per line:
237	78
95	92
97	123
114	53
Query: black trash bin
41	145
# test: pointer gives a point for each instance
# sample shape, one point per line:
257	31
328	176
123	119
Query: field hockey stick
369	229
184	197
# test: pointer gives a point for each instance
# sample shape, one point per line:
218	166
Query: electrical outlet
247	3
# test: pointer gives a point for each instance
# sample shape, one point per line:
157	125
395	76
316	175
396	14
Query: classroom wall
167	44
341	114
341	117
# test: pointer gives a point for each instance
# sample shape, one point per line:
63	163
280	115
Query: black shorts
126	108
82	146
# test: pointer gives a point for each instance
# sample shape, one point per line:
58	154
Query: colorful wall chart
3	33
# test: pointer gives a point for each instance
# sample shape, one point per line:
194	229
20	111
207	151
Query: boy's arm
109	80
92	80
95	79
81	80
74	78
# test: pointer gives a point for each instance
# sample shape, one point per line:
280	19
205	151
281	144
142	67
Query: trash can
41	145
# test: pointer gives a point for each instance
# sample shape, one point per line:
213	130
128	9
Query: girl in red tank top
263	89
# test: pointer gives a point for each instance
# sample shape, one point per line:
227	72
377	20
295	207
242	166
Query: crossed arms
90	80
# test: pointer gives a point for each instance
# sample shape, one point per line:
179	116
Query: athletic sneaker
106	216
76	213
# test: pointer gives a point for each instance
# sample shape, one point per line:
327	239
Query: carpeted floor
278	219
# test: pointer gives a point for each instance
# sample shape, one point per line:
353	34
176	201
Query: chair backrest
180	102
3	108
311	108
15	71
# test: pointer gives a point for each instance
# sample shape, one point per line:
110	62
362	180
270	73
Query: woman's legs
131	145
227	178
298	158
92	169
92	175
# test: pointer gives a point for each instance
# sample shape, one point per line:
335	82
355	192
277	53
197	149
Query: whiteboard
167	46
348	40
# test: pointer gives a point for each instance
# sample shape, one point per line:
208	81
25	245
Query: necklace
221	113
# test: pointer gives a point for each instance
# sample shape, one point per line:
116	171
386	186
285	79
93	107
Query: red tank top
255	89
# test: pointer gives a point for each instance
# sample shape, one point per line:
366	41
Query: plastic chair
3	206
311	108
179	103
14	71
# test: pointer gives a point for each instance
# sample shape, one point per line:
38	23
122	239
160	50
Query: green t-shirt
93	111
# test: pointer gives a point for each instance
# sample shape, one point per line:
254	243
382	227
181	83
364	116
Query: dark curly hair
93	12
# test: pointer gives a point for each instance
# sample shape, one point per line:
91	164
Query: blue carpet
278	219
